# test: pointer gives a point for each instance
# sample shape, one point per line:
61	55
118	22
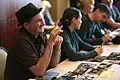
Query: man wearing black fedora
32	53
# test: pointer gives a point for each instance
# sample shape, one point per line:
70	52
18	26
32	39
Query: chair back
3	56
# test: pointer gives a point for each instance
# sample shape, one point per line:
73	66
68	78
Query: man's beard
41	29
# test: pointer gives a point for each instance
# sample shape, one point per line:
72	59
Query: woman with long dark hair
72	43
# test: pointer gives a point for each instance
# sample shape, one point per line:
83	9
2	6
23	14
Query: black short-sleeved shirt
26	52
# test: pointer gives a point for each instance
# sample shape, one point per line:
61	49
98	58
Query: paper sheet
106	74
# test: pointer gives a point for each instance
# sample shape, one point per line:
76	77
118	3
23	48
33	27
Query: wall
8	22
58	7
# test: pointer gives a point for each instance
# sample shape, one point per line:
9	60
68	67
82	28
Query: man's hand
58	43
54	34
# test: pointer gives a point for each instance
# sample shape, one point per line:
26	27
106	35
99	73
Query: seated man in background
113	22
90	30
72	45
32	54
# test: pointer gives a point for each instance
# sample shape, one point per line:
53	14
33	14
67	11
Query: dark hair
68	15
103	8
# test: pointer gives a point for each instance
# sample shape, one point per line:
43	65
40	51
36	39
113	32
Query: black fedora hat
27	12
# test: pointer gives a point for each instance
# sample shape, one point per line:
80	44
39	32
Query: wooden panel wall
58	7
8	22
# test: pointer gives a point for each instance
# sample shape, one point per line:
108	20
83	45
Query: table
67	66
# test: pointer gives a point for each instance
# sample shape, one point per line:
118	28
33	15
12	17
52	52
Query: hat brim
38	11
